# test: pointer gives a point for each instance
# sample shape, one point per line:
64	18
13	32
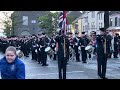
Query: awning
113	28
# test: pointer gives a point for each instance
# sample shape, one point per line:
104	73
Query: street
75	70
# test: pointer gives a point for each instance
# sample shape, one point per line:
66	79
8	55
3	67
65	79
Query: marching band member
62	62
71	41
44	43
116	45
53	45
76	45
84	42
102	52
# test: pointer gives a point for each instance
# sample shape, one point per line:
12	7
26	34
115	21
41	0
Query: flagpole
64	36
64	48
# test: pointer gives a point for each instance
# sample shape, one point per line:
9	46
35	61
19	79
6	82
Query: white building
94	20
100	20
84	21
114	22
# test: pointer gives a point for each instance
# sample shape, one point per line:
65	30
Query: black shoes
45	65
104	78
99	77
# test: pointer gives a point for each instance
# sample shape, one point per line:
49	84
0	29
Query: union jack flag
63	21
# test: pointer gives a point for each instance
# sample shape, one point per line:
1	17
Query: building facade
27	22
94	20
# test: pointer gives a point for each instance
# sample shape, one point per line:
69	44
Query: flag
63	21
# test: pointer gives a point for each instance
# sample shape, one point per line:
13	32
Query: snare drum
19	53
49	50
88	47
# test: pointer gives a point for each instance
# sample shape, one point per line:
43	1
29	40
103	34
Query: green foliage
70	19
9	23
49	22
7	29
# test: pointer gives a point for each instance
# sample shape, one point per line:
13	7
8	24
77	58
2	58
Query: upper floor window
83	28
115	21
101	16
110	21
93	14
101	25
119	21
92	25
33	21
25	20
88	26
86	19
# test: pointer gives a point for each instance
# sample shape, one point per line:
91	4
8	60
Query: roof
114	12
75	14
100	12
40	13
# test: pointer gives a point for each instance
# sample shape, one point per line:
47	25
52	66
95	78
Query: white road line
54	73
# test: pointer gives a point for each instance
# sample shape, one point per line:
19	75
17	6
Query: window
119	21
86	19
101	16
92	25
25	20
93	14
115	21
88	26
33	21
110	21
101	25
83	28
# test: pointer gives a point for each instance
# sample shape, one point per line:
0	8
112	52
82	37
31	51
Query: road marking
55	73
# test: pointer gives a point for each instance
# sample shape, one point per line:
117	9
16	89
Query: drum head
47	49
18	51
87	48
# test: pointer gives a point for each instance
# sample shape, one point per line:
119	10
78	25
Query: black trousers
84	54
34	55
43	57
39	57
77	54
62	68
102	63
115	54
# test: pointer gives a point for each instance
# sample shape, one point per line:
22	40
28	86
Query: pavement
75	70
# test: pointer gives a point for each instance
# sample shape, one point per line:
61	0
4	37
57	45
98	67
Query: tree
7	24
49	22
7	29
70	19
10	23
